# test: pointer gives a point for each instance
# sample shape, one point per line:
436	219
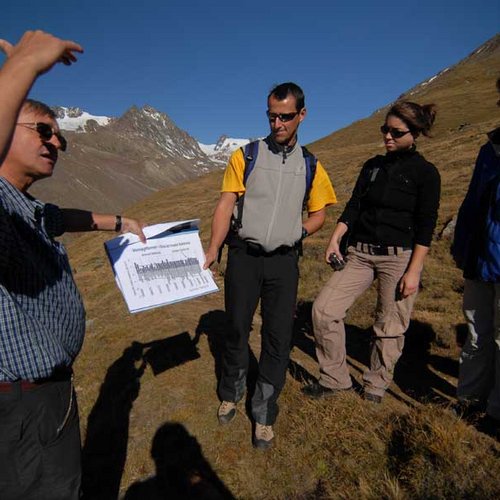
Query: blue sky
209	65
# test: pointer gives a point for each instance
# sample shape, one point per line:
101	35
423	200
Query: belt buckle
254	248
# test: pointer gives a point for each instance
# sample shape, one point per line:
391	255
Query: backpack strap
311	163
250	155
249	152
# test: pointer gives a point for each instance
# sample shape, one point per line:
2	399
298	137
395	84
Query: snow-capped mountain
223	148
77	120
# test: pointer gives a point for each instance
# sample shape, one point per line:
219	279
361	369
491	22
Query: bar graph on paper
167	277
167	269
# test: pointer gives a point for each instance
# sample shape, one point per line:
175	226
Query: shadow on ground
214	325
181	470
105	449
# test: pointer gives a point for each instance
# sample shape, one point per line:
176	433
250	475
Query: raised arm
32	56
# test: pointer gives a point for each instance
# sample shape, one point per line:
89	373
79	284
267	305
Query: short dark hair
419	118
39	108
283	90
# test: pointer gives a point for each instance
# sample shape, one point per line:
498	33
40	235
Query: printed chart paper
164	270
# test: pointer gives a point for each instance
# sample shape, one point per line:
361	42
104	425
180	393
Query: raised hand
40	51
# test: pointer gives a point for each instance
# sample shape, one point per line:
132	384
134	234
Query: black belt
372	249
256	249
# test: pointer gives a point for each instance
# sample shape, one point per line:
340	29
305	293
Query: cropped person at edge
42	316
476	250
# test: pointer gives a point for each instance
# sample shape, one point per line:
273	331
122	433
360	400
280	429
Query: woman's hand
409	283
334	244
411	279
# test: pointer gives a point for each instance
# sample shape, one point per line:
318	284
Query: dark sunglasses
395	133
284	117
46	132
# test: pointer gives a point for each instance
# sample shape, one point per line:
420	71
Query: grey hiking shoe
263	436
226	412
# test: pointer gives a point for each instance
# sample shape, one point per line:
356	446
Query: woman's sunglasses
46	132
395	133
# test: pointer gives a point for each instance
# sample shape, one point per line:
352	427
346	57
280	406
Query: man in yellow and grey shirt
263	255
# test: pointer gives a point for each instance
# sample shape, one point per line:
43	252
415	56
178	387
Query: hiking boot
373	398
490	426
468	410
226	412
318	391
263	436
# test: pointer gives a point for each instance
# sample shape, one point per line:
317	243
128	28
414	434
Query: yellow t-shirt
321	195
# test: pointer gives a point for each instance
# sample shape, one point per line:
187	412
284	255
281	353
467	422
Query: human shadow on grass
214	325
105	449
412	373
182	472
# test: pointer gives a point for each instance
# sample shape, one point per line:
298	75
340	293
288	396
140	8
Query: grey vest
272	210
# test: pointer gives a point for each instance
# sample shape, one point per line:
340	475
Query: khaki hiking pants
391	319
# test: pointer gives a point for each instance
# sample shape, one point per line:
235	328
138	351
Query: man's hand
133	226
40	51
210	257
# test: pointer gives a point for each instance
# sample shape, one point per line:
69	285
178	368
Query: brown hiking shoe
373	398
318	391
263	436
226	412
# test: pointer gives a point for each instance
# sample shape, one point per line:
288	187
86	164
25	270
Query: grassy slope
410	446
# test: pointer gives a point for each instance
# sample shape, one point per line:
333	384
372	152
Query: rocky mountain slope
112	163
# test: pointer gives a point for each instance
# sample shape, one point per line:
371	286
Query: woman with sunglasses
390	220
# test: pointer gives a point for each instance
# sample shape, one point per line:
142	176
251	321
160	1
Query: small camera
336	263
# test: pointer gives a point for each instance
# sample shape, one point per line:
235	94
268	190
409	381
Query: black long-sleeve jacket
395	201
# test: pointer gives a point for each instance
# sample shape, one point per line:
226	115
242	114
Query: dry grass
146	382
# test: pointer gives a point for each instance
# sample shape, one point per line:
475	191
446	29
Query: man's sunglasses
395	133
284	117
46	132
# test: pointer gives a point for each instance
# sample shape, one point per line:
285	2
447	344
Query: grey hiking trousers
479	375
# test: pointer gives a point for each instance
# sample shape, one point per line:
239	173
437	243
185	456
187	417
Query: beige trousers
392	318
